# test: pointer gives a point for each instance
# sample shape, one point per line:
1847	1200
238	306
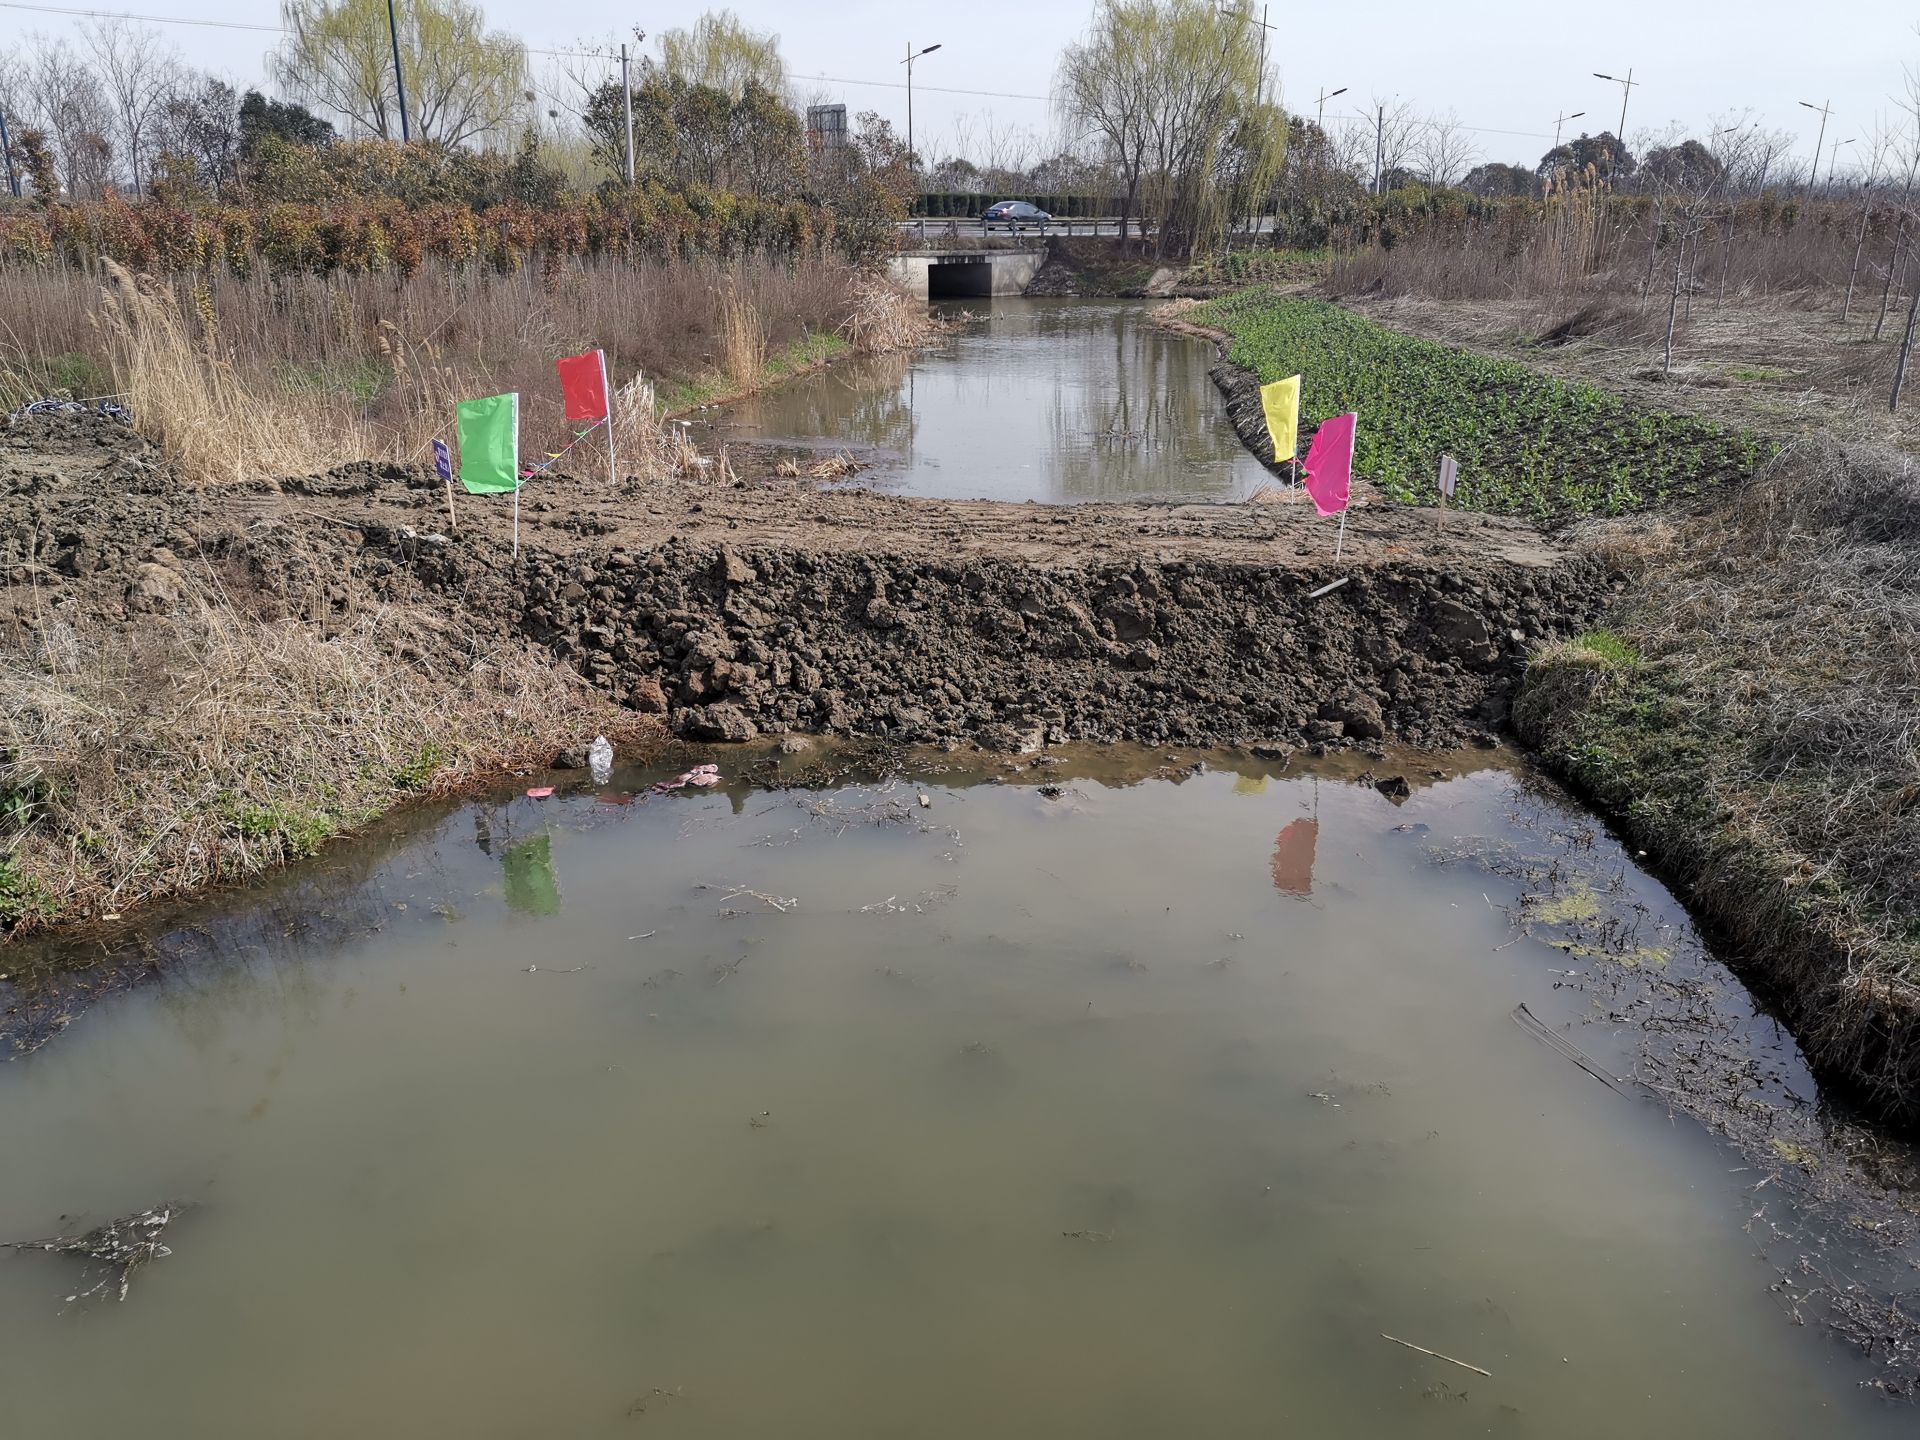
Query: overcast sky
1502	65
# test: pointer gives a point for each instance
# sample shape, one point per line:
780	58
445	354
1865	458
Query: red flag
1330	464
583	380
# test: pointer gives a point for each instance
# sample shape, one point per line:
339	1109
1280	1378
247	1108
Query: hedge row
378	235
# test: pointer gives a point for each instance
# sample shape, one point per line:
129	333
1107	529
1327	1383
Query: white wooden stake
516	517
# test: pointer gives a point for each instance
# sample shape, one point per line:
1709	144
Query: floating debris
122	1246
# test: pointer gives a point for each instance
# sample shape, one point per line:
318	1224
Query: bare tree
67	101
200	122
1396	135
1445	149
139	72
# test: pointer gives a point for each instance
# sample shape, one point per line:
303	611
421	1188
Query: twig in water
1436	1354
648	936
782	903
1538	1028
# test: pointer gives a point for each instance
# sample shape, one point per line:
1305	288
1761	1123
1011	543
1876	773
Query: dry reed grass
276	374
215	423
743	341
206	746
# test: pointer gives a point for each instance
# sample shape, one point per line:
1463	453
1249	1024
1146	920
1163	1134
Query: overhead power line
151	19
531	49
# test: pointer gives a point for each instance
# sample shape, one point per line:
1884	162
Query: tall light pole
399	79
1320	108
626	107
1825	109
1626	91
913	159
1833	158
1560	120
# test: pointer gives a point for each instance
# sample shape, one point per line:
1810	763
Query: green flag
490	444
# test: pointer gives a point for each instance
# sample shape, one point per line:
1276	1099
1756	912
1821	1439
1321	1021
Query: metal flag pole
613	464
1340	538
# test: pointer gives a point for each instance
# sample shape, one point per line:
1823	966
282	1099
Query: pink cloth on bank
1330	463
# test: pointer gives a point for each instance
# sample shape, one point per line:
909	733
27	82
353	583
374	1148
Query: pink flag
1330	463
583	380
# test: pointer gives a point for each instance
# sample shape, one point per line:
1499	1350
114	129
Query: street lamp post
1560	120
913	158
399	78
1825	109
1320	110
1833	158
1245	17
1626	91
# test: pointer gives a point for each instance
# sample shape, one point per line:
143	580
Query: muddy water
1133	1109
1052	400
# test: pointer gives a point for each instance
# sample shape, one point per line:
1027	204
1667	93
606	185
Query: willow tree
1173	93
721	53
462	81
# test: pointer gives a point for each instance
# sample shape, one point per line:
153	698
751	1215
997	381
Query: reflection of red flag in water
1330	463
1293	857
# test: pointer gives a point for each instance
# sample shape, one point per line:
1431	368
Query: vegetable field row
1527	444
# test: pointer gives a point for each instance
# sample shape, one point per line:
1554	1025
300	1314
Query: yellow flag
1281	402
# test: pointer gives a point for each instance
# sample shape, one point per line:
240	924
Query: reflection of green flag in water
490	444
531	886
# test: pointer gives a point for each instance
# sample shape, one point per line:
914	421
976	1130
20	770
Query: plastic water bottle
600	759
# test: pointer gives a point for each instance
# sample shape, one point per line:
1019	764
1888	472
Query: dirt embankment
767	605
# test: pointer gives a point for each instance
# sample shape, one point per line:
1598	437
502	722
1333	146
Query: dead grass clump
205	747
883	319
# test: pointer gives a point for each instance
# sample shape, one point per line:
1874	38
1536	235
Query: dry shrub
206	746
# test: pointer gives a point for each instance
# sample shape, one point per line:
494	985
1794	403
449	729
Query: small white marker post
1449	476
1340	538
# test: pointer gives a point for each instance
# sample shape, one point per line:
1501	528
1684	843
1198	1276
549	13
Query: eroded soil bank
757	605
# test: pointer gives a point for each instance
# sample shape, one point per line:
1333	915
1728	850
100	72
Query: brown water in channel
1134	1110
1051	400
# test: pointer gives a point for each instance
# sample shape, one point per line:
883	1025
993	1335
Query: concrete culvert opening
954	279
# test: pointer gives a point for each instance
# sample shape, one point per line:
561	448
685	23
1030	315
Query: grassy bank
1748	718
1527	444
208	744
